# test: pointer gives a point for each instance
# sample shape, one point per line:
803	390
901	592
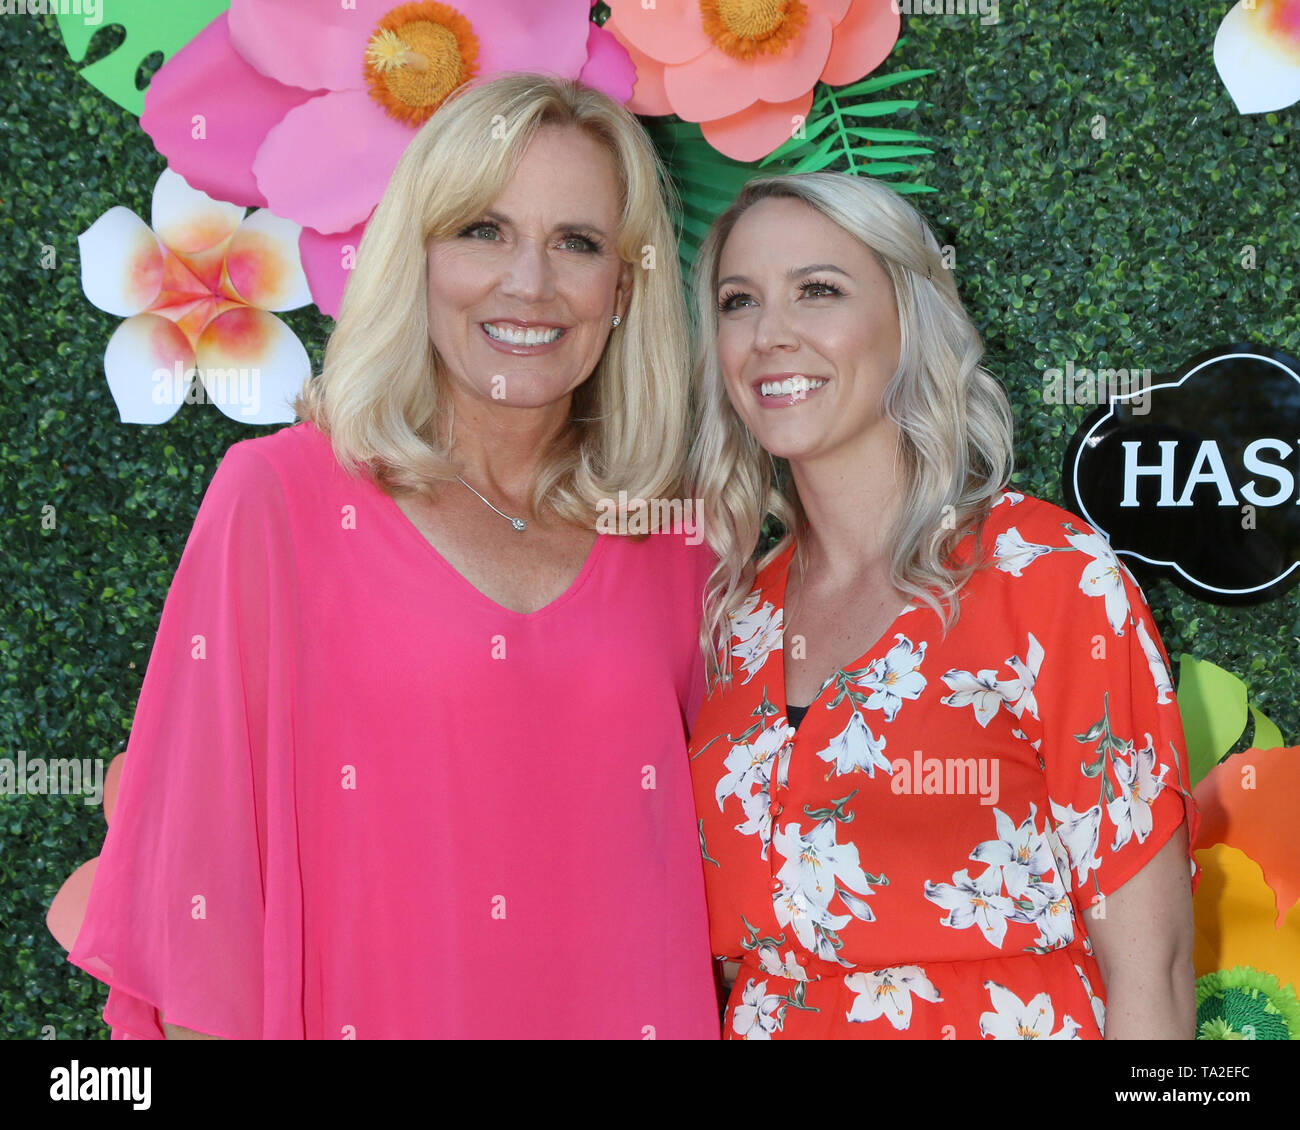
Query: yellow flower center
745	28
419	53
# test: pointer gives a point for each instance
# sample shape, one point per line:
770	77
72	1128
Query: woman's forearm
1143	946
1154	1009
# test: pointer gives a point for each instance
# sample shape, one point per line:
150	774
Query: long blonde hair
380	397
953	418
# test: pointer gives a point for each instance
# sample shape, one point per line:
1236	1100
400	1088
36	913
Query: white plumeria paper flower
197	290
1257	54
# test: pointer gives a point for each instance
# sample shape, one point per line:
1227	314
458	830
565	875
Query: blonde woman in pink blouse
410	755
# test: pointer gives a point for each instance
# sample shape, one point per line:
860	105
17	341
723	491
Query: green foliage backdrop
1123	250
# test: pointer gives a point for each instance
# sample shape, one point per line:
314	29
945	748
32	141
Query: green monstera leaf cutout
151	26
1212	702
1215	706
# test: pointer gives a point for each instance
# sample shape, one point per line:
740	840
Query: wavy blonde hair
380	397
954	422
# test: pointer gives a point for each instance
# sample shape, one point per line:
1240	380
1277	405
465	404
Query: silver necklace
517	523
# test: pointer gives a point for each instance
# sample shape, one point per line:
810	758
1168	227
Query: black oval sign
1198	476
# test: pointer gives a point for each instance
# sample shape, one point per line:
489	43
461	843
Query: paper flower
1244	1004
1247	907
196	292
1236	919
745	69
1248	802
68	910
305	106
1257	54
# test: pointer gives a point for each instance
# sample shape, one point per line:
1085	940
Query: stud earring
617	320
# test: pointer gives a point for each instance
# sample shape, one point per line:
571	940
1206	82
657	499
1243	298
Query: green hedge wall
1123	250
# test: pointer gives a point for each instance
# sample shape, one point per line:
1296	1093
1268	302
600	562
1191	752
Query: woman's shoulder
1035	519
288	450
1032	546
291	464
1021	529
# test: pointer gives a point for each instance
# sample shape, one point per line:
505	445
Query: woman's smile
511	335
784	390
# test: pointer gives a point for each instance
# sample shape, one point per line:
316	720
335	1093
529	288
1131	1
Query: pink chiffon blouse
361	800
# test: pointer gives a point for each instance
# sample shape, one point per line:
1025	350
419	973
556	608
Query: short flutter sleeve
1112	744
175	919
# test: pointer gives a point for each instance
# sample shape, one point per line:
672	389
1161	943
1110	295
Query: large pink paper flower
305	106
197	290
745	69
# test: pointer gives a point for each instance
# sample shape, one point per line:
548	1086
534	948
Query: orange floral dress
921	857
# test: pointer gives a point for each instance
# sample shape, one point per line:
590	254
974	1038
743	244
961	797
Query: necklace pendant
519	523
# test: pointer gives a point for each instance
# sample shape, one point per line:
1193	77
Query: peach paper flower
745	69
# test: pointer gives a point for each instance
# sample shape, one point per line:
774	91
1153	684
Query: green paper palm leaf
839	135
160	27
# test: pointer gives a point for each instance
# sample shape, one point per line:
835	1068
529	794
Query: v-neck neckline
477	594
780	586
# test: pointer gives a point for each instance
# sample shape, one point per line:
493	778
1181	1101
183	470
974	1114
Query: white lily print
1060	855
757	634
795	909
978	902
1098	1006
1103	577
815	862
751	762
856	747
1011	496
983	691
1015	1020
1013	553
888	993
771	962
749	768
1021	699
1159	673
1130	811
758	819
1022	853
895	677
1079	833
1047	906
755	1017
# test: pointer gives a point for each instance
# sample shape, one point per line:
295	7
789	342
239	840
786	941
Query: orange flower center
745	28
418	54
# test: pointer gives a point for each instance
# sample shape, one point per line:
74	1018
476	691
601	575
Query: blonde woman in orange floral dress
940	773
